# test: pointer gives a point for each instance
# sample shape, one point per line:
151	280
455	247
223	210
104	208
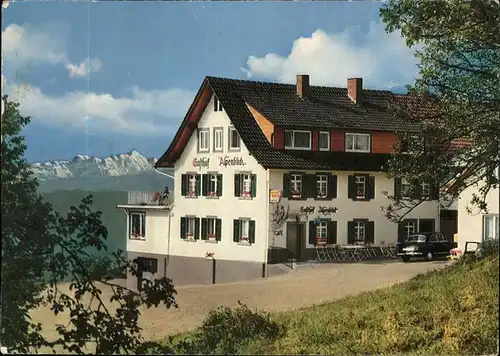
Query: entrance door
295	234
426	225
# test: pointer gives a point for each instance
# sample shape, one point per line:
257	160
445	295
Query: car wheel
429	256
406	258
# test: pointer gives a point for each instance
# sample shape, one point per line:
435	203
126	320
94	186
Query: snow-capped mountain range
81	166
127	171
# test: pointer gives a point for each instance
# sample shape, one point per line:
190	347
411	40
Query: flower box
189	236
192	194
212	194
246	195
212	237
320	241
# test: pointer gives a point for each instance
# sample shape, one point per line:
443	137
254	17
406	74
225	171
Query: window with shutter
137	225
321	232
193	181
211	231
360	184
359	231
245	185
244	231
296	186
213	185
321	186
190	227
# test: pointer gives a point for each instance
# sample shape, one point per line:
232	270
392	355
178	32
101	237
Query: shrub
228	331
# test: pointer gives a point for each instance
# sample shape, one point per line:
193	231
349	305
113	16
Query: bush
228	331
490	247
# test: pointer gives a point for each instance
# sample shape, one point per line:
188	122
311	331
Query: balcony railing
149	198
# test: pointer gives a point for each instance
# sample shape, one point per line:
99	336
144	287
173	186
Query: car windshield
416	238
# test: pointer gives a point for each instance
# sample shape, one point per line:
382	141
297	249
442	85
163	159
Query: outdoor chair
321	253
331	251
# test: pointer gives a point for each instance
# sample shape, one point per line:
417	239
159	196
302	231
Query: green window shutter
370	189
218	229
332	187
198	184
309	189
183	228
332	233
401	231
184	184
237	185
254	185
350	232
397	187
154	265
219	185
196	228
370	232
251	231
312	233
236	230
351	188
204	185
286	185
204	228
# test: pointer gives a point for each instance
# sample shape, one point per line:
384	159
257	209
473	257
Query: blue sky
105	78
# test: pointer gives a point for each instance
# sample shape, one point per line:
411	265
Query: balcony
139	198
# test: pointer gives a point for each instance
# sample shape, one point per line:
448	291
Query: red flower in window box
189	236
244	239
156	196
212	194
320	240
246	194
211	236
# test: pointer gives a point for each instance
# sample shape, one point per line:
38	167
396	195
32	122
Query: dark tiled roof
327	108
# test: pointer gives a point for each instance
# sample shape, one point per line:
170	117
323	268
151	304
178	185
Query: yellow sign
274	195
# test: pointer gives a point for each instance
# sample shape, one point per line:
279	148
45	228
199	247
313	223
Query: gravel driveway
308	285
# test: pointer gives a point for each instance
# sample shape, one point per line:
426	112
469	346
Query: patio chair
342	254
384	249
372	253
331	251
393	253
321	253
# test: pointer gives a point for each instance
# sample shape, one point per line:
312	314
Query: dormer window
357	142
297	140
324	141
217	104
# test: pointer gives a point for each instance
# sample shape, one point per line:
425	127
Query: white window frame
410	228
357	181
212	180
142	223
321	185
230	140
293	140
246	184
353	147
203	140
327	148
191	184
190	227
405	188
359	231
244	231
494	224
211	228
218	139
218	104
322	232
296	185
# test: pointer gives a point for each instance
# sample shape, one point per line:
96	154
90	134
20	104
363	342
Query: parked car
424	245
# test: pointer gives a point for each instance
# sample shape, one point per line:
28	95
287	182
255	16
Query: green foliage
41	248
228	331
455	96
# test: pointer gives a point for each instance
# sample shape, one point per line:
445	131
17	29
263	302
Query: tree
456	97
41	249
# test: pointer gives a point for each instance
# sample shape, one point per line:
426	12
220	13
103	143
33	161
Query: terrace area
153	199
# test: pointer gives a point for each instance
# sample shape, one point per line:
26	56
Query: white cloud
381	59
27	45
144	112
84	68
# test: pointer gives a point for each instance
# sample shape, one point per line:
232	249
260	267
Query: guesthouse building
261	166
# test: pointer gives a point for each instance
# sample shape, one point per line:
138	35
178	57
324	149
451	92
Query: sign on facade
274	195
201	162
225	161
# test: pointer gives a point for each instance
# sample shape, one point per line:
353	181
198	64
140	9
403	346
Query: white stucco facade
348	209
476	225
226	207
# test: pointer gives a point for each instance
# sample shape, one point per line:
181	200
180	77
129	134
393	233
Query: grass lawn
448	311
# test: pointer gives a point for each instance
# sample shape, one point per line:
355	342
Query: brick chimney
303	88
355	89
